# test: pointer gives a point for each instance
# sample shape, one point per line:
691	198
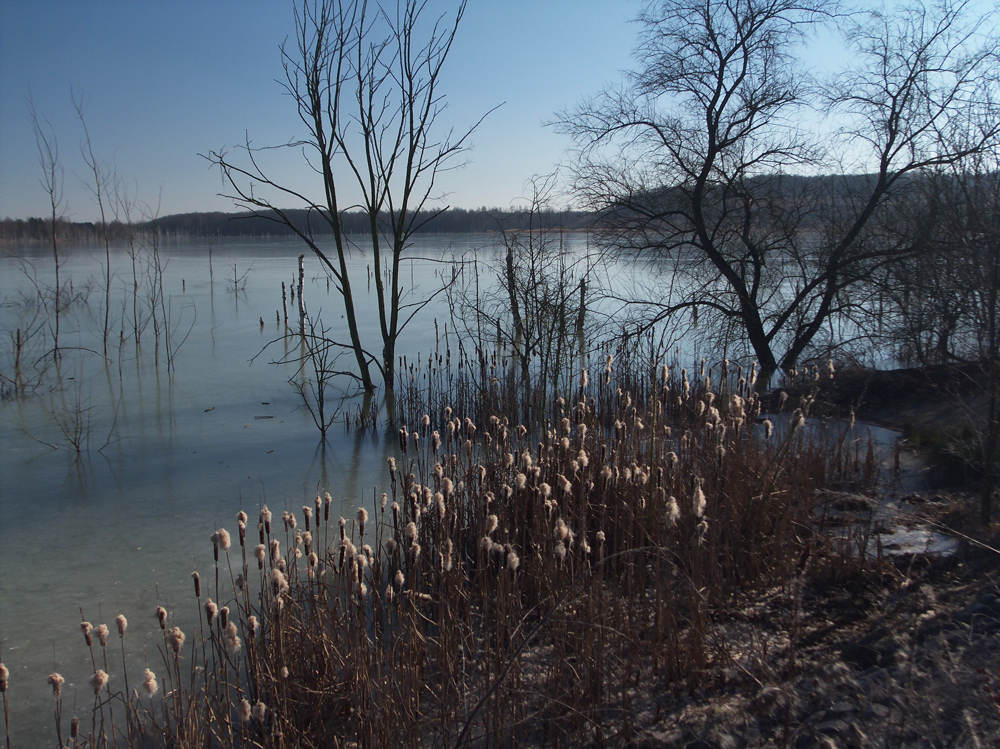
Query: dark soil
891	651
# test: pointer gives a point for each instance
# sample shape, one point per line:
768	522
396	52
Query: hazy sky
165	81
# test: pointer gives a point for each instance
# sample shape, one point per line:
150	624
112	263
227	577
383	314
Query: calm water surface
171	455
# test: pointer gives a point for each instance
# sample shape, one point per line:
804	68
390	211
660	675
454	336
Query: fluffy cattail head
161	616
98	680
56	681
211	610
102	634
197	584
175	639
149	682
244	710
4	676
122	623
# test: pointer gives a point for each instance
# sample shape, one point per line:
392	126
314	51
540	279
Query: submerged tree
52	183
366	82
694	161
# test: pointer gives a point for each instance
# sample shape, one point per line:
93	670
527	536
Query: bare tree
696	157
100	177
366	81
52	183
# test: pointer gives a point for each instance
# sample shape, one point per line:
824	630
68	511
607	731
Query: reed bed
515	584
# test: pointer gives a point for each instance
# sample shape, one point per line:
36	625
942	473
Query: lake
173	452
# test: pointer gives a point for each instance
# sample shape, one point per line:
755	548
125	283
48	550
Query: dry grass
516	584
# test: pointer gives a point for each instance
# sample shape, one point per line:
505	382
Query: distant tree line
219	224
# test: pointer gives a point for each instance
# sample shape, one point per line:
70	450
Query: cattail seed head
161	616
244	710
261	554
232	640
175	638
241	517
673	512
252	625
4	678
98	680
699	502
197	584
56	681
307	514
102	634
122	623
87	628
362	518
149	682
211	610
259	712
513	560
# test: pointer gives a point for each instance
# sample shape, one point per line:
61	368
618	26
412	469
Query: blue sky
164	81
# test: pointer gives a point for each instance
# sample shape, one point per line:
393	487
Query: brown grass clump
514	584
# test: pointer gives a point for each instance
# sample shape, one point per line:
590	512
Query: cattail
4	676
56	681
102	634
392	464
244	710
197	584
241	517
221	540
327	501
307	514
520	480
261	553
211	610
439	502
259	712
768	428
673	511
275	550
149	682
411	531
318	503
232	640
252	625
560	551
74	728
265	518
513	560
491	523
98	680
544	490
435	441
161	616
362	518
122	623
175	638
699	501
87	628
564	484
279	581
343	534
